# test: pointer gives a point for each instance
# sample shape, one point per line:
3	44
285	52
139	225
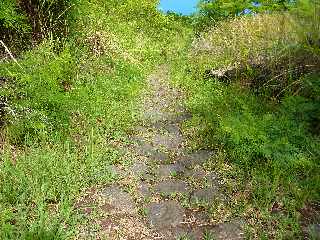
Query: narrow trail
164	191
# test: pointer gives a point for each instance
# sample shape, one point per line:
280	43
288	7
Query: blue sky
186	7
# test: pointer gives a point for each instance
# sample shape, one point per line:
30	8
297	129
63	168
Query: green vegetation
67	101
253	89
252	85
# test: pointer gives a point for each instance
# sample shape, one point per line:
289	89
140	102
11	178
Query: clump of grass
267	52
39	188
244	39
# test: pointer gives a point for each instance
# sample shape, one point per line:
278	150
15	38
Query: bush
47	17
36	100
14	27
24	22
266	58
213	11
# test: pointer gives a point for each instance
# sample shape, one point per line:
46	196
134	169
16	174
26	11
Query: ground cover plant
257	105
66	101
72	73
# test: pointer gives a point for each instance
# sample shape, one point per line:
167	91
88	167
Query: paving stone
159	156
212	180
197	174
139	168
172	129
206	195
167	141
228	231
182	117
153	115
196	158
144	190
165	171
147	150
143	148
119	199
165	214
169	187
158	125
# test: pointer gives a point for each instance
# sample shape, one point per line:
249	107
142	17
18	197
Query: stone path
164	192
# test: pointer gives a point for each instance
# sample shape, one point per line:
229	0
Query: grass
267	144
68	106
70	100
39	189
64	117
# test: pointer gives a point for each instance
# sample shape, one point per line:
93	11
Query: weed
75	95
265	139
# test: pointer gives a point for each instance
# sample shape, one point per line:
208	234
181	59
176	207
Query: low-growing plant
69	102
267	127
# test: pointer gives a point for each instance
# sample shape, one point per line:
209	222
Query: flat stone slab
169	187
159	156
154	115
227	231
147	150
118	199
139	168
165	214
144	190
197	174
167	141
165	171
206	195
314	231
196	158
143	148
182	117
212	179
173	129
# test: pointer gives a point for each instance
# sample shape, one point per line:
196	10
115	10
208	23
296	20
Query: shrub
25	21
14	27
37	101
213	11
47	17
10	17
267	52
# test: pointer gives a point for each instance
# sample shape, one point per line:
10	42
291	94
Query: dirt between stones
155	197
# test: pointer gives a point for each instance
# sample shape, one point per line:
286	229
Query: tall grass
268	52
267	143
